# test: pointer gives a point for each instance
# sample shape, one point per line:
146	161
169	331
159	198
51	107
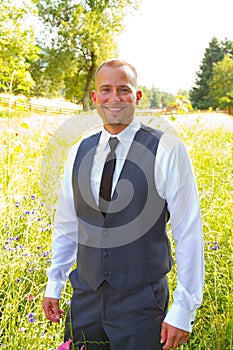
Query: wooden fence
32	107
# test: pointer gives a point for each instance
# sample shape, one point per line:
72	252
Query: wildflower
83	347
31	317
65	346
22	330
215	246
18	279
46	254
30	297
17	204
33	197
28	212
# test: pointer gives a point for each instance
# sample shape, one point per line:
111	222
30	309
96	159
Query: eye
124	90
105	89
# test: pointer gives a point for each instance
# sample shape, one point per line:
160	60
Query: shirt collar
127	135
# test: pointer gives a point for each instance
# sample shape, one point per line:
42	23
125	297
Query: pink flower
65	346
83	347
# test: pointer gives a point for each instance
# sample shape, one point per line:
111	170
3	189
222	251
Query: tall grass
26	229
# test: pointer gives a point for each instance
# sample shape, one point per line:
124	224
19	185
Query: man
120	294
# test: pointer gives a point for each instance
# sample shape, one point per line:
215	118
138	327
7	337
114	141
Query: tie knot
113	142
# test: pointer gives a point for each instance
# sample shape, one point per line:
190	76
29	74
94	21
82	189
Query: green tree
199	94
226	102
222	80
48	73
145	101
17	46
83	35
166	99
155	99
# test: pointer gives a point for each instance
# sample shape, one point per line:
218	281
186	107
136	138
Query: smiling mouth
114	109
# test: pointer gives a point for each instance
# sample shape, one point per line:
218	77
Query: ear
138	96
93	96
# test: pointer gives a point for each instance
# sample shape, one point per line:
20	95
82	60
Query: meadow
26	223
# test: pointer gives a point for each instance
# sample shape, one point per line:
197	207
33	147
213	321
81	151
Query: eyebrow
109	85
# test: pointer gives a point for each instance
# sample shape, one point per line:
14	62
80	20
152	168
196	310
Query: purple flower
28	212
18	280
46	254
17	204
31	317
33	197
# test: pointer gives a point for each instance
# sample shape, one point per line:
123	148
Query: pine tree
199	94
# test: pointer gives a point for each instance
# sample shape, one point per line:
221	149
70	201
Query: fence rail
33	107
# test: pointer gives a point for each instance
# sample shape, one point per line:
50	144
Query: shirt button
106	273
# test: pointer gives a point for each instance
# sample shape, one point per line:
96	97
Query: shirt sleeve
65	234
175	183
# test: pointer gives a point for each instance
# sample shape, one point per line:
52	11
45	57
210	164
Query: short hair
116	63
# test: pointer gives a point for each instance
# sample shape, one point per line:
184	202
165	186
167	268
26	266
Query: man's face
116	95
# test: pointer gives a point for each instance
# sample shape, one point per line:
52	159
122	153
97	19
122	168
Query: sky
166	39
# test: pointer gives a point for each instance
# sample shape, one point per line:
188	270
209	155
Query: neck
115	129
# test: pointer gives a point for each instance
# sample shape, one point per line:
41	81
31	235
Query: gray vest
128	247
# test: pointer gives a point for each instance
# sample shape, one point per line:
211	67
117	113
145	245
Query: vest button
105	233
106	253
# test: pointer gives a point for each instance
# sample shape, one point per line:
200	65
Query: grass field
26	228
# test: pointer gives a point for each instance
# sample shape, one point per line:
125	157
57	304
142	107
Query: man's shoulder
150	130
89	140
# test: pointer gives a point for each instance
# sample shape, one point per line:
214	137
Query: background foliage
26	227
205	94
52	48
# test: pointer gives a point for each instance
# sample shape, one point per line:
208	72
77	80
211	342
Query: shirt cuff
180	318
53	289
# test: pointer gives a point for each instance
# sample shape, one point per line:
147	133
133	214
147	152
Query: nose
114	96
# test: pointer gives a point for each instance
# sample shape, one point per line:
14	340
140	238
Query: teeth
114	109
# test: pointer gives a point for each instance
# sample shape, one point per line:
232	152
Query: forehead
115	76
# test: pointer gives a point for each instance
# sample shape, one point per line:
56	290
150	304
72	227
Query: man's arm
178	187
64	247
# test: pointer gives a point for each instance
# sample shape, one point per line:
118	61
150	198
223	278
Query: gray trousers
127	320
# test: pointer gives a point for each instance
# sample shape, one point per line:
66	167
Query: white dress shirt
175	183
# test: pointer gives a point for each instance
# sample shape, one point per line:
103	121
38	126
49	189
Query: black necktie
107	176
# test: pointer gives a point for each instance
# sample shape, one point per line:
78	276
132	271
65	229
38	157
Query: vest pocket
161	294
